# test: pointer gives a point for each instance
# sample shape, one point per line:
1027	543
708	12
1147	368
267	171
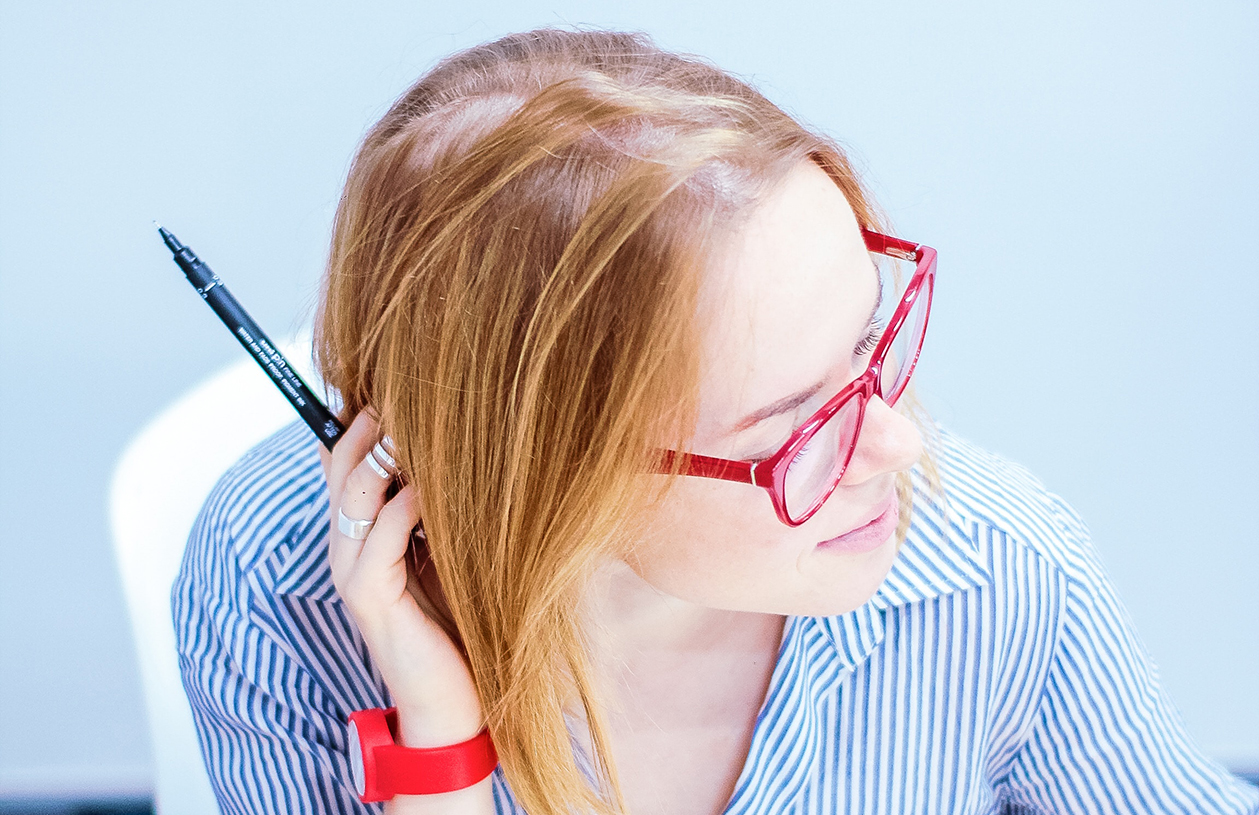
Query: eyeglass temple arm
708	467
887	245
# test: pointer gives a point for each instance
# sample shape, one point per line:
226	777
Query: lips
871	534
878	511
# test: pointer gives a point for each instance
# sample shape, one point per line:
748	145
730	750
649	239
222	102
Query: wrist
425	727
479	798
383	768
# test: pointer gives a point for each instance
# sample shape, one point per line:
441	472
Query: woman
686	548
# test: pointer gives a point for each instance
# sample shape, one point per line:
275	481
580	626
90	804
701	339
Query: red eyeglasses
807	469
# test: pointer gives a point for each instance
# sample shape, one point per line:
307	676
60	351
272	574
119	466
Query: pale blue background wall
1087	170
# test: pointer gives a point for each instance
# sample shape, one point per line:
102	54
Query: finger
364	492
386	546
425	587
361	500
325	461
349	451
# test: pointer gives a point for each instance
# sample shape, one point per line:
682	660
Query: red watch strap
391	769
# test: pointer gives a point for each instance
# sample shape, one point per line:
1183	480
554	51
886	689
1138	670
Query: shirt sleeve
272	677
1107	739
270	737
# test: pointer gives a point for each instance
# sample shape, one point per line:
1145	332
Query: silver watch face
356	761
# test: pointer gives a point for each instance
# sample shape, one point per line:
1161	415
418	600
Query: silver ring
353	528
382	458
376	468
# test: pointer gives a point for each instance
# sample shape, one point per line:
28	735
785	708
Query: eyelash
866	345
805	449
870	340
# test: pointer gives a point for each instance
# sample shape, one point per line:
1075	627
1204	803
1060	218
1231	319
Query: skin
790	302
688	625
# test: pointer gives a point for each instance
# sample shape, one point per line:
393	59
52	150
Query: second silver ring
353	527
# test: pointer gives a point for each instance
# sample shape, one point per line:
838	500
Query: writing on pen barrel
312	411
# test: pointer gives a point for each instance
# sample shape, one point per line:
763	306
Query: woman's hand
424	670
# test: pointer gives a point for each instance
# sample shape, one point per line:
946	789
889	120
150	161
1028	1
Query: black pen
317	417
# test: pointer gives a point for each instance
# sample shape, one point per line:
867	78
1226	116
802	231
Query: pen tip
172	243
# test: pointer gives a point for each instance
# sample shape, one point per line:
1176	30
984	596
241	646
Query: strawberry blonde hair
513	286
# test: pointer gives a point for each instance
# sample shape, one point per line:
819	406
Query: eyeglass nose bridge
870	382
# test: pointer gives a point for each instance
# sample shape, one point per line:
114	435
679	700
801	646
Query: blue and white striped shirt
994	670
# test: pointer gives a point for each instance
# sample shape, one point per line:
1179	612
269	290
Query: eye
763	454
803	451
769	451
871	340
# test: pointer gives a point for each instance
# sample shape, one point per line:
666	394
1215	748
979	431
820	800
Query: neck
629	620
663	662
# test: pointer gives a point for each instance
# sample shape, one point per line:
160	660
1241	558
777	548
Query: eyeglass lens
819	465
898	365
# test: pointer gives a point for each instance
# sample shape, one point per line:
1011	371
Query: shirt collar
938	557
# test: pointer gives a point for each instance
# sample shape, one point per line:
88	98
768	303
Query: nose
889	442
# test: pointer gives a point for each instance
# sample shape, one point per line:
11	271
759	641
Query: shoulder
265	519
273	495
1095	696
988	493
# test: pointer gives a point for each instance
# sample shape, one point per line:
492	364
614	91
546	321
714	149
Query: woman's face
789	304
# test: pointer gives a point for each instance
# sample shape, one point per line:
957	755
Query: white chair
158	487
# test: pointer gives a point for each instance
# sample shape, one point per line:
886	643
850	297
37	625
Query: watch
382	768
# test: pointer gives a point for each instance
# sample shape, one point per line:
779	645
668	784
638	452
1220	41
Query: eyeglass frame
771	473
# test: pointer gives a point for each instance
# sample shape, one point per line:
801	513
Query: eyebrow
798	398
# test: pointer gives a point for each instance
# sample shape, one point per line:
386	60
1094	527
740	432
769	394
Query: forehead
784	301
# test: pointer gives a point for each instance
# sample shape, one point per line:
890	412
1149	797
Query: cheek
715	543
721	545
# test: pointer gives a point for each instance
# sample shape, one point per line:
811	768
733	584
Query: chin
849	582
